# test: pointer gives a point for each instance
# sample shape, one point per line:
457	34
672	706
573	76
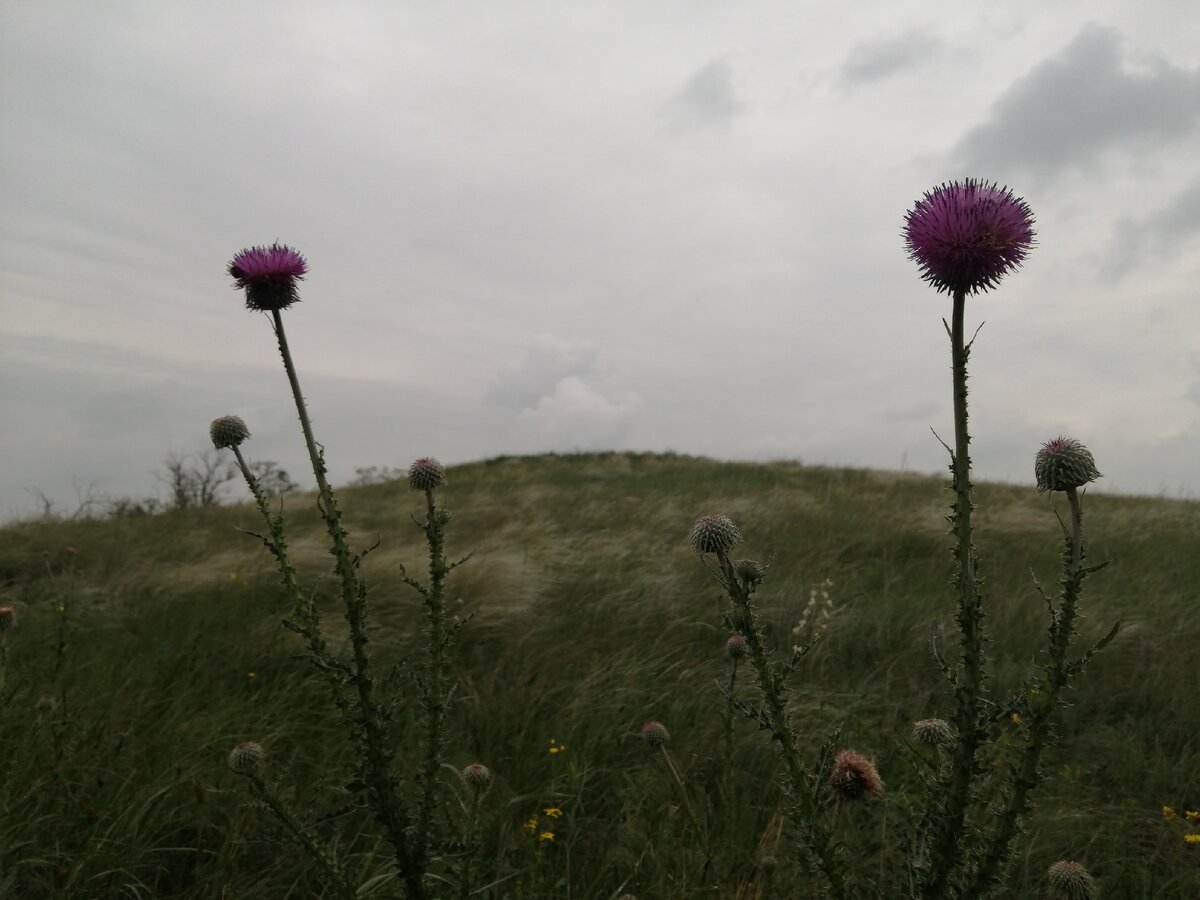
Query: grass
593	616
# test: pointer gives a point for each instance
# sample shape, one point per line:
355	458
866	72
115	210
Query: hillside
159	640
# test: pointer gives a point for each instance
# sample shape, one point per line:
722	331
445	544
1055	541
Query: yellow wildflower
1016	718
251	674
546	836
1169	813
553	812
531	825
1192	815
1192	838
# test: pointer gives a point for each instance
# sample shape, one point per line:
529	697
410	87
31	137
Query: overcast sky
559	226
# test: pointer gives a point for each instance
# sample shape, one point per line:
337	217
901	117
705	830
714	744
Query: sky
561	226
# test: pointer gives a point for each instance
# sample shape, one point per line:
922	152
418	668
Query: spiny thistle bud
8	617
426	473
966	237
655	734
1063	464
714	534
736	647
246	757
933	732
854	775
46	704
228	431
268	275
478	776
750	571
1071	881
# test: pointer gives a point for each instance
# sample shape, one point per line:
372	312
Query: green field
158	638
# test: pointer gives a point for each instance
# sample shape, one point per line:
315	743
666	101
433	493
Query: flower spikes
269	276
966	236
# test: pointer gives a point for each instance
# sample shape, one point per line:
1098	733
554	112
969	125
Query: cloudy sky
556	225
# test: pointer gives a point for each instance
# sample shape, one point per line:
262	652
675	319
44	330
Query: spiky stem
436	699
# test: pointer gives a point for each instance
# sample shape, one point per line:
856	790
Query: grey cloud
876	60
1155	236
708	98
1070	109
546	362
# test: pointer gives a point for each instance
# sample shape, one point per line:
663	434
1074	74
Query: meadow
144	648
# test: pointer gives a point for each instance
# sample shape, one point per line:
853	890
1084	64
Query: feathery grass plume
933	733
854	776
1063	464
268	275
655	734
228	431
714	534
426	474
1069	880
246	757
965	236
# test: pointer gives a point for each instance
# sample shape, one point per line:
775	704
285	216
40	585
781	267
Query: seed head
478	776
228	431
1062	464
269	276
8	617
426	473
714	534
1071	881
933	732
246	757
736	647
854	775
655	734
966	236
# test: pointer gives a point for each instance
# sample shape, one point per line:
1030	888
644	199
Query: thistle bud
478	776
1071	881
228	431
736	647
426	473
933	733
655	734
714	534
854	775
8	617
246	757
750	571
1063	464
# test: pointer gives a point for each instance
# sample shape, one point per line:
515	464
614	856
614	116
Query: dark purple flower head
966	236
269	276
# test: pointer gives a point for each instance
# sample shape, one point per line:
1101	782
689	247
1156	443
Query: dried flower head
737	646
1063	464
655	734
854	775
8	617
966	236
246	757
228	431
269	276
933	732
478	776
426	473
714	534
1071	881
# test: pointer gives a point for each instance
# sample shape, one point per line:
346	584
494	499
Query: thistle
854	776
714	534
228	431
426	474
269	276
1069	880
246	758
1064	464
655	734
933	733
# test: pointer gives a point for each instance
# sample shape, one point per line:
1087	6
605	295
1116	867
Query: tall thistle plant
406	814
965	237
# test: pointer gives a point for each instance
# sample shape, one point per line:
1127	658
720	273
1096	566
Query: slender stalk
948	828
436	700
375	740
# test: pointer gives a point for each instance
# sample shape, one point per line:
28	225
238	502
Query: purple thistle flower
966	237
269	276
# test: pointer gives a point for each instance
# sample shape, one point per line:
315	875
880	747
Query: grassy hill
145	648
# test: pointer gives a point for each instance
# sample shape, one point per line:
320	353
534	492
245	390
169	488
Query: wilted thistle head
246	757
933	732
714	534
751	571
854	775
228	431
737	647
655	734
426	473
269	276
8	617
966	236
478	776
1063	464
1071	881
